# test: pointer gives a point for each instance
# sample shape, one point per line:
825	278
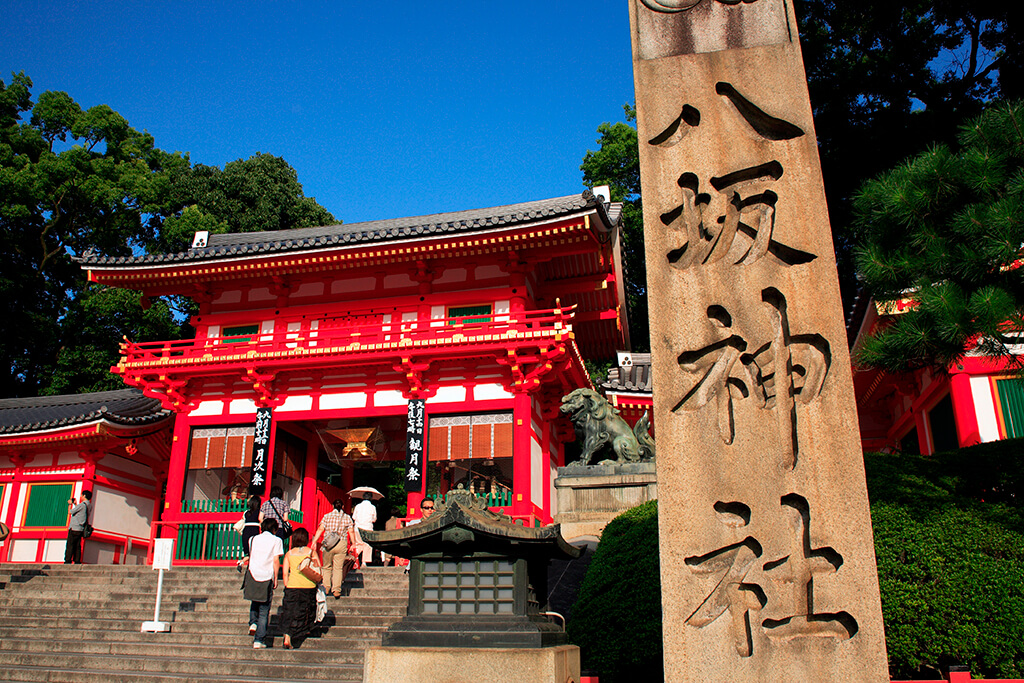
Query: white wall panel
984	409
354	399
121	513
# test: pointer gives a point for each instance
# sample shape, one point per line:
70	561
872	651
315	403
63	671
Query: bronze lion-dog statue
601	429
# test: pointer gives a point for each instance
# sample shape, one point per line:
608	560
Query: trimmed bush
616	620
951	559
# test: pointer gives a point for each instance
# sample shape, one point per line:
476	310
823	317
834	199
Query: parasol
358	492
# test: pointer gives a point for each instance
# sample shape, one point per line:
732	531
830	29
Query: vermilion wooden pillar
309	519
968	433
521	441
924	434
177	467
545	447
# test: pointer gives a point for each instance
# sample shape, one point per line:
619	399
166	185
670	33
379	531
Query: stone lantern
476	578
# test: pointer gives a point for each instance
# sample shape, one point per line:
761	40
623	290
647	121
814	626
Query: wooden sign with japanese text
415	445
767	559
260	452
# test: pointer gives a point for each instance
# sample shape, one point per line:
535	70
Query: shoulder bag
286	526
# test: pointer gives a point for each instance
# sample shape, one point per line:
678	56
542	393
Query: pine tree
945	230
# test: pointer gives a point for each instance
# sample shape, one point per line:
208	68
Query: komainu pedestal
767	560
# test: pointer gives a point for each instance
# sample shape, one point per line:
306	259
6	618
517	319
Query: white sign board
163	549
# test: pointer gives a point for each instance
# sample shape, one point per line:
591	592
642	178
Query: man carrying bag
334	528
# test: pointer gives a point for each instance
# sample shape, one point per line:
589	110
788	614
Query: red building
483	315
977	400
113	443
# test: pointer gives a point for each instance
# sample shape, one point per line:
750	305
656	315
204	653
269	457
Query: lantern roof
463	525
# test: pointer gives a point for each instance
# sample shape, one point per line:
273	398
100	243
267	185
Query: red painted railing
383	336
964	677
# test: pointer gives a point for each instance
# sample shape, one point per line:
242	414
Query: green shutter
48	505
470	314
1011	398
238	331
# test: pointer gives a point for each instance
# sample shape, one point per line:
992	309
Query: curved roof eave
43	414
254	245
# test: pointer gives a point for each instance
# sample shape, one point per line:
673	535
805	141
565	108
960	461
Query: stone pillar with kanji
767	559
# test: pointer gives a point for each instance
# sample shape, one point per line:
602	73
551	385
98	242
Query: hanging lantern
361	443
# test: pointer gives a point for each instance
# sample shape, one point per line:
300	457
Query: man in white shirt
364	515
265	552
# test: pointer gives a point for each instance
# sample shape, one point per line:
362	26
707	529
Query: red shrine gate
481	314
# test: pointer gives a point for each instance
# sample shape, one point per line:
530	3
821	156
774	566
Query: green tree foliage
617	164
73	180
58	199
887	79
616	620
251	195
950	556
944	229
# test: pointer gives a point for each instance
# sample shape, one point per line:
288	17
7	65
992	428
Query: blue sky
384	109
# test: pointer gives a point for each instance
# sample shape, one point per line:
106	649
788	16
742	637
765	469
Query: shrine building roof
456	223
127	407
634	378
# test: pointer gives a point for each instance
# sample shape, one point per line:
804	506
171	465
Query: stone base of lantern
471	665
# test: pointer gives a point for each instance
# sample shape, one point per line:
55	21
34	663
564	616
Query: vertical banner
415	445
260	451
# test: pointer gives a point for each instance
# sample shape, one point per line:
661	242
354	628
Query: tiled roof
123	407
233	245
635	378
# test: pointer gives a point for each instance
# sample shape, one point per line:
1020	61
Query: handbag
310	570
331	539
240	525
86	530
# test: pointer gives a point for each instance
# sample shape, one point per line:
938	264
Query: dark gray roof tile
635	378
474	220
124	407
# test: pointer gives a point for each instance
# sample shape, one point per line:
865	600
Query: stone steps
61	623
265	665
60	675
175	638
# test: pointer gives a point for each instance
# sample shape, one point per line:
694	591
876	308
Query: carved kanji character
732	593
794	574
719	375
749	210
785	370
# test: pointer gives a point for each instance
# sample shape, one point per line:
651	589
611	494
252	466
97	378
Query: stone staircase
72	623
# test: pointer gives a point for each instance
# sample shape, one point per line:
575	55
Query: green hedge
616	620
951	558
948	537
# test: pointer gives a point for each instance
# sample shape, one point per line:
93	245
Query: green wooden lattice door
48	505
1011	398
